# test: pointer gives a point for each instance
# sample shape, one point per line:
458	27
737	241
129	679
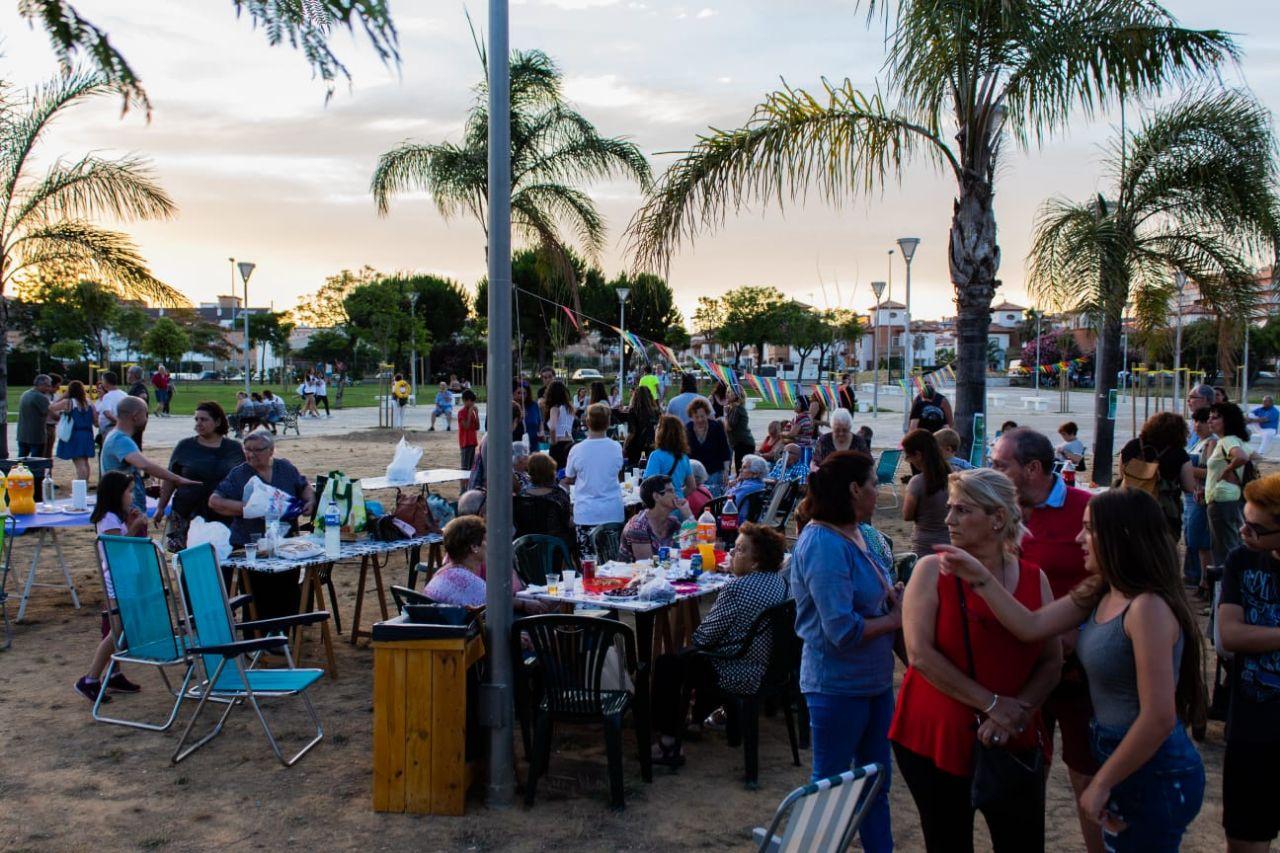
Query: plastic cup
553	584
569	580
251	550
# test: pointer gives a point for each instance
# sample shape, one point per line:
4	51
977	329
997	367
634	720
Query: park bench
1035	404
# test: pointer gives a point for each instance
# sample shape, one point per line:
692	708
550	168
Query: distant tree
651	310
130	324
802	328
379	313
750	319
67	351
1055	347
324	309
327	345
166	342
271	328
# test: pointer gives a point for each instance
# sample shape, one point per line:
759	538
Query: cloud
580	4
608	91
706	13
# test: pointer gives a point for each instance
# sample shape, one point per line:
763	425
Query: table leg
31	576
66	573
382	590
355	618
305	598
326	637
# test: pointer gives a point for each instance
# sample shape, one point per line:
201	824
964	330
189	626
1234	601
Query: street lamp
1180	282
907	245
1037	368
622	292
246	270
413	330
877	287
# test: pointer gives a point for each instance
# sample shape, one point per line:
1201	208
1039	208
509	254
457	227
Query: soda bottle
729	518
1069	473
706	527
332	532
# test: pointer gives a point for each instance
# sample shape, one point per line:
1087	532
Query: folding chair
777	508
143	620
829	813
7	532
886	468
227	662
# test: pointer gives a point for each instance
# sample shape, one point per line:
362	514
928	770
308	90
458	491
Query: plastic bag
349	498
403	464
215	533
261	500
657	589
440	508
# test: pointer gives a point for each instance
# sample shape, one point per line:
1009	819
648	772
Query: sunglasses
1260	532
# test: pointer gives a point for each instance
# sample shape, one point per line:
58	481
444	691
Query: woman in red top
946	700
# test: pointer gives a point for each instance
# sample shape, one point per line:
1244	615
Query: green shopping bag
348	496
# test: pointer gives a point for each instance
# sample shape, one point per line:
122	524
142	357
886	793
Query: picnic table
47	523
317	577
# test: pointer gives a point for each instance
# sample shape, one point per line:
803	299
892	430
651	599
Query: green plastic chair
537	556
140	603
228	662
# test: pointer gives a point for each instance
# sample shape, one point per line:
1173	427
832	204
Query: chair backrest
537	556
716	505
403	595
787	505
141	587
887	466
775	626
607	538
572	652
825	814
209	615
752	506
531	514
780	492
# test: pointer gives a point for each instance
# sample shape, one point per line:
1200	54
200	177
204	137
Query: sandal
668	755
716	720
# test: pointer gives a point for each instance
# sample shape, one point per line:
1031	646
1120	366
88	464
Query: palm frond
71	35
124	189
793	142
559	203
110	257
457	178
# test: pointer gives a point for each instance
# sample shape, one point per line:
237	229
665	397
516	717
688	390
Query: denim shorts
1159	801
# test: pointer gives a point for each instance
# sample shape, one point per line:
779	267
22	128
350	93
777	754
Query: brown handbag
412	509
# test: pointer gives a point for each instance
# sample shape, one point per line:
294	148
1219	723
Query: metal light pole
908	245
622	292
1180	280
246	270
1037	370
1244	375
413	362
877	287
497	708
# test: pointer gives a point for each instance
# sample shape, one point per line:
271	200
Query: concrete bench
1035	404
995	399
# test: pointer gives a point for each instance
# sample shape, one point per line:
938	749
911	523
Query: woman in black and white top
559	421
757	559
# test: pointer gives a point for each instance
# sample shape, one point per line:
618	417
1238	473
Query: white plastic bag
215	533
261	500
404	464
657	588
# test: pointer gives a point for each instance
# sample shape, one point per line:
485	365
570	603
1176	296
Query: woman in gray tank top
1140	647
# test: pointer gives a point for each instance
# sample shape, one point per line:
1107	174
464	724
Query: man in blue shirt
120	451
1267	417
790	465
679	405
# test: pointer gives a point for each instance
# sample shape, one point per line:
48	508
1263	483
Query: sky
263	169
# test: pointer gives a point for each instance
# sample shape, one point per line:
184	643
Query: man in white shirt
592	469
110	402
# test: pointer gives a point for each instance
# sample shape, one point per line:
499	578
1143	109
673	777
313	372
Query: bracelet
995	697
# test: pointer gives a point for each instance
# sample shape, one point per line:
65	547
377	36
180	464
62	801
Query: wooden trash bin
420	724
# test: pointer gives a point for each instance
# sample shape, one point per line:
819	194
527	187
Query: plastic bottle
706	527
332	531
688	533
1069	473
729	518
4	495
48	491
21	488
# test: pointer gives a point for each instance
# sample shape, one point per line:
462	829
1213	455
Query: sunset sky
264	170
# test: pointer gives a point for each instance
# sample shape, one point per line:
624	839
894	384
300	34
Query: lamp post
1180	282
1037	368
622	292
877	287
413	330
907	245
246	270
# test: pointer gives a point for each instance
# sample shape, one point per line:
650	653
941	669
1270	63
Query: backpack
1142	473
932	417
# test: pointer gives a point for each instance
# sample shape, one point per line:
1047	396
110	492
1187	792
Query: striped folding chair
823	816
140	604
228	662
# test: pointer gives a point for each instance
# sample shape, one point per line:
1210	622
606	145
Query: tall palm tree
45	216
966	75
553	149
1194	192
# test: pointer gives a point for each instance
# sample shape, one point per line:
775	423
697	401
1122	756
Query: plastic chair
531	514
402	595
774	507
569	658
537	556
607	539
886	468
143	620
226	660
823	816
776	626
7	532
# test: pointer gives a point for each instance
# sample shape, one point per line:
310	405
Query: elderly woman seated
750	481
701	495
657	526
460	580
790	465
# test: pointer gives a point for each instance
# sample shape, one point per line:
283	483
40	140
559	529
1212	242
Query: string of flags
1051	369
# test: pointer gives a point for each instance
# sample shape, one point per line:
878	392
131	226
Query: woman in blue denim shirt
1140	647
847	614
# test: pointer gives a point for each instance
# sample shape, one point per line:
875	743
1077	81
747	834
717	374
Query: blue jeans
854	730
1159	801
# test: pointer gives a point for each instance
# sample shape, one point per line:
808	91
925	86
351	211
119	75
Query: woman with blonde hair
964	664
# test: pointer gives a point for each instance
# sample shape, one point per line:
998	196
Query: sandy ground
67	782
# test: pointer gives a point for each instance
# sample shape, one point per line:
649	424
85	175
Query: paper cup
79	494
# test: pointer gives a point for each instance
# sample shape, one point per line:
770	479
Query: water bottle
332	531
706	528
688	532
48	491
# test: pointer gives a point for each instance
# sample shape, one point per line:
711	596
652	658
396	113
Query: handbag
65	427
998	772
412	509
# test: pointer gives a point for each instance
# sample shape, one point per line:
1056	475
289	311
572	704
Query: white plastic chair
823	816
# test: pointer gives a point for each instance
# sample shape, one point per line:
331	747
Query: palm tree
966	75
44	218
553	148
1194	193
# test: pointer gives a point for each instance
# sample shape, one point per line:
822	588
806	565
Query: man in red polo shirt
1054	514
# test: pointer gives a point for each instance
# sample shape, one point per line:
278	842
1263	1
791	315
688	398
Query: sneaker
117	683
89	689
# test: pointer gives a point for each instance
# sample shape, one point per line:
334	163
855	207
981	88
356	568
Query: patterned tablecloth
350	551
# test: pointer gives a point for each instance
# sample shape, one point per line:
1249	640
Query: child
1072	448
444	408
114	514
949	444
400	397
468	429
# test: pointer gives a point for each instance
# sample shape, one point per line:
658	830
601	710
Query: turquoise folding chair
228	662
141	612
823	816
886	469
